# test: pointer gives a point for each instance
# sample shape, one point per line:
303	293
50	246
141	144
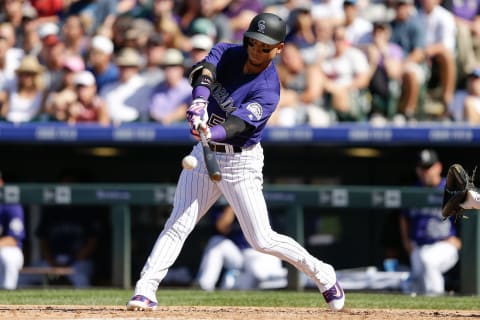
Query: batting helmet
267	28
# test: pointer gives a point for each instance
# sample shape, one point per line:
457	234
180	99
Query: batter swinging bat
210	160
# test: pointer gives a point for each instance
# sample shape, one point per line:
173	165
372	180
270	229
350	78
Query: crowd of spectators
111	62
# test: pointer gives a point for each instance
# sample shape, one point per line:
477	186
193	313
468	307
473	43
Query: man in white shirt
127	98
346	73
440	35
358	29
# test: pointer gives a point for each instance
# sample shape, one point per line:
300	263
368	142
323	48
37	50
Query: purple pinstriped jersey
12	222
253	98
427	225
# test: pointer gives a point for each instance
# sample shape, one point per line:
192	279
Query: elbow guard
197	78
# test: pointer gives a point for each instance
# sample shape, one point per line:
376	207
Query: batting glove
206	131
197	115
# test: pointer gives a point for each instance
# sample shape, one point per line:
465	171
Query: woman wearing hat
24	103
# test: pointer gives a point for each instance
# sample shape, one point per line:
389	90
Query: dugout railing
293	197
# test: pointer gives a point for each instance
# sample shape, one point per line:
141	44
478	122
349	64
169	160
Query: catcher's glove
455	192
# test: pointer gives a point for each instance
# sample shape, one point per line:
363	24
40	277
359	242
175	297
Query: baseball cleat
335	297
141	303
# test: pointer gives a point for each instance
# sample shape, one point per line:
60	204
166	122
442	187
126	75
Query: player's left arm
245	119
15	231
8	241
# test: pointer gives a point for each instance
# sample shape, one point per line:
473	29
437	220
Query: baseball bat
210	160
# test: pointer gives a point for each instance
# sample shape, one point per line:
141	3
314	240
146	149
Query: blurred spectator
58	103
127	98
240	13
464	11
302	32
347	74
223	30
119	29
468	49
31	43
408	33
13	54
440	33
324	47
12	234
99	61
170	99
172	35
188	11
471	104
24	102
201	45
16	12
430	240
7	75
330	10
141	29
301	96
246	268
163	10
155	50
89	107
51	55
74	36
92	13
205	26
386	59
48	11
358	29
283	8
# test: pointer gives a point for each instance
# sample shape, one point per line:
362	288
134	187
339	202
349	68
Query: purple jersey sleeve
253	98
12	222
427	225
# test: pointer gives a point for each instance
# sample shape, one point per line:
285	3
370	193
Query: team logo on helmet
261	26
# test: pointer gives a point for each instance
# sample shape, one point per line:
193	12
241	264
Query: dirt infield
24	312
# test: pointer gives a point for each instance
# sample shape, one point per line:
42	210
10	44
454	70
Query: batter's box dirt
29	312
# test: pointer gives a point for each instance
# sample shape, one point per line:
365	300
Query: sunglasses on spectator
253	43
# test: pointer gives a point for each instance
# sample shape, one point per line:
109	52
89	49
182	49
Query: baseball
189	162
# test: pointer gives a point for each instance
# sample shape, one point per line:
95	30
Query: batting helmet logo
261	26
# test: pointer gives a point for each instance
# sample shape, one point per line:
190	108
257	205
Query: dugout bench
294	197
47	273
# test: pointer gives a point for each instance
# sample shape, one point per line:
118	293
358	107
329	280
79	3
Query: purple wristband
200	91
218	133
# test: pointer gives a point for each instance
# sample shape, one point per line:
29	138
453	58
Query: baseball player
12	234
235	91
431	241
228	248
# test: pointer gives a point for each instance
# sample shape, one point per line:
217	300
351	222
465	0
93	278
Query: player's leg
220	252
437	259
194	195
417	271
11	261
244	193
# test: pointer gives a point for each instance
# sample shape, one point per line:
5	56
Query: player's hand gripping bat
209	156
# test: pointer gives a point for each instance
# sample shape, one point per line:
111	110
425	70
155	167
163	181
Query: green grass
177	297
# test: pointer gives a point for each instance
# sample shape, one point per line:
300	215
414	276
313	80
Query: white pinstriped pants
11	261
241	185
429	263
